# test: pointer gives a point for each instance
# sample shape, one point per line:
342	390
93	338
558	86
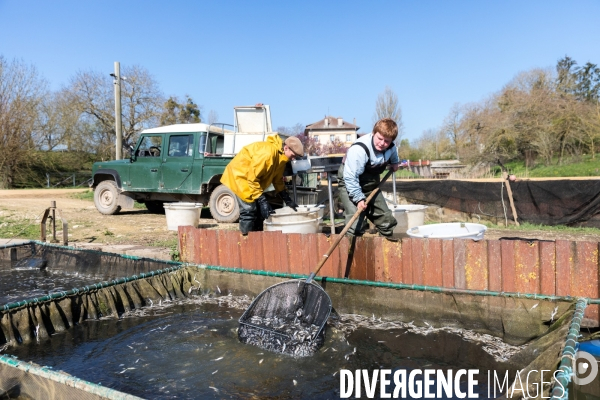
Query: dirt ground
87	225
139	227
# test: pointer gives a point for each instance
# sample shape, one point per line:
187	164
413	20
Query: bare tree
295	130
93	95
387	106
60	125
591	125
454	129
213	117
21	92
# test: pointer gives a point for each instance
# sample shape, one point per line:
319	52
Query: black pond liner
289	317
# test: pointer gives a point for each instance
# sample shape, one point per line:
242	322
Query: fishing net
288	317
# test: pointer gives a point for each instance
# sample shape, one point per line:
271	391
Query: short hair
387	127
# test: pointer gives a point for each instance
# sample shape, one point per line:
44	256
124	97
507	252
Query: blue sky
310	58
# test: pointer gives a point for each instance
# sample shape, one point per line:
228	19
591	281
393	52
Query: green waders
377	210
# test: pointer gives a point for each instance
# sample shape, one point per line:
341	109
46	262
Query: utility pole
118	125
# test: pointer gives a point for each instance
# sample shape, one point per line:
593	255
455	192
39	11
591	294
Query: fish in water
31	262
283	336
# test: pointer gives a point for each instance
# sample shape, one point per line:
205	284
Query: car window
202	143
181	146
150	146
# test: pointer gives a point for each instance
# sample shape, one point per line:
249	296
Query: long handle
348	225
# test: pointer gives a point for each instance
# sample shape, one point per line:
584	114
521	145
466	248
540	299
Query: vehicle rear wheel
155	207
106	198
223	205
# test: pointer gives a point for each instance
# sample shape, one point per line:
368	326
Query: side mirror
132	156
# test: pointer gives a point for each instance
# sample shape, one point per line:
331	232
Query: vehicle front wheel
223	205
106	198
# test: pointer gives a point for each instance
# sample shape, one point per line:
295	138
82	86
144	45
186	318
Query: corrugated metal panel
509	283
476	267
460	261
547	268
432	262
494	256
229	248
527	266
584	275
562	268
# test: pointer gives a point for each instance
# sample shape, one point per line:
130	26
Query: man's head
292	147
384	133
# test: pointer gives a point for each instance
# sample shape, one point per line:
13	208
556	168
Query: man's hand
394	167
361	205
264	207
285	196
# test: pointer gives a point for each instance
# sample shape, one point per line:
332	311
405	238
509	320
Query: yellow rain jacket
255	167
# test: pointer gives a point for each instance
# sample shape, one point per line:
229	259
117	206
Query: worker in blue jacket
360	173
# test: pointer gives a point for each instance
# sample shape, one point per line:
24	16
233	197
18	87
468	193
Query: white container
306	226
287	214
182	214
453	230
408	216
320	209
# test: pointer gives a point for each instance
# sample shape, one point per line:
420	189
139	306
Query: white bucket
453	230
320	209
408	216
287	214
182	214
306	226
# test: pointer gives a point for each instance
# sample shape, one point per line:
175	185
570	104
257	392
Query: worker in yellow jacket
252	170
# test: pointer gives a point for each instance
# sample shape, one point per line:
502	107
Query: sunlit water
27	283
191	351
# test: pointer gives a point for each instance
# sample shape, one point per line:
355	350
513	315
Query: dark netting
288	317
548	202
109	285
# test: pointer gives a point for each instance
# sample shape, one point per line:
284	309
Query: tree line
540	116
77	118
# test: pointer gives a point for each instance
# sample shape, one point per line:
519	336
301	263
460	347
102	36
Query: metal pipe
331	208
435	289
394	188
67	380
86	289
118	123
565	370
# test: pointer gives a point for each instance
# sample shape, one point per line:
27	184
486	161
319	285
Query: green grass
525	227
87	195
580	166
16	228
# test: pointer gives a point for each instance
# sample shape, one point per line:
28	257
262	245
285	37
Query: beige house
330	128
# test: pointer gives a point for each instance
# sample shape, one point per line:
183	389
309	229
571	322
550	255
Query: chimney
340	121
354	121
326	122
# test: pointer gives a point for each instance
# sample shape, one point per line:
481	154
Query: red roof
333	124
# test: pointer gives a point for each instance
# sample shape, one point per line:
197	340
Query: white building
329	128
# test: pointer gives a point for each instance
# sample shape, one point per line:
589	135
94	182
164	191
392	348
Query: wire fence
76	179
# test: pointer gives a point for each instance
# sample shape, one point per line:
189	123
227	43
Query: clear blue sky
307	58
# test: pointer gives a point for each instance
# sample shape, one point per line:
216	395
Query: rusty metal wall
563	268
